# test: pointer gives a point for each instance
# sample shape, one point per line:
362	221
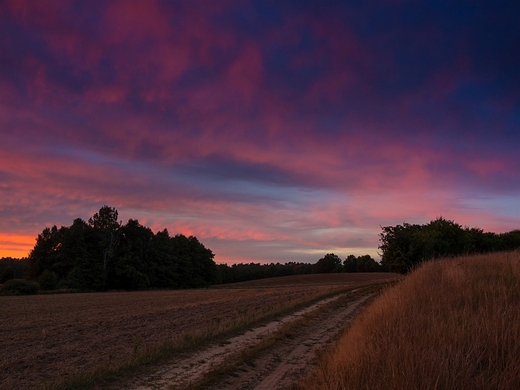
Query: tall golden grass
450	324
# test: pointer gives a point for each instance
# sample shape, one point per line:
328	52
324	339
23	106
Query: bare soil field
47	339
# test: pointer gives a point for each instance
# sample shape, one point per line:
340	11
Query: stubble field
47	340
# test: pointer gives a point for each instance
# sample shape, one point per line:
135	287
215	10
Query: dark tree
104	254
363	263
106	226
133	261
166	267
20	267
327	264
44	254
442	237
401	247
72	251
350	264
194	262
509	241
405	246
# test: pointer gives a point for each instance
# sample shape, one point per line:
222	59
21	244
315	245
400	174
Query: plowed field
48	338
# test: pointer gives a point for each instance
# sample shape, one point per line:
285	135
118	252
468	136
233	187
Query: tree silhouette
404	246
104	254
329	263
106	225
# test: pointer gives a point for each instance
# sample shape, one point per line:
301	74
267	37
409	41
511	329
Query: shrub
19	287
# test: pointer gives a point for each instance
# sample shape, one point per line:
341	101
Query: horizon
273	132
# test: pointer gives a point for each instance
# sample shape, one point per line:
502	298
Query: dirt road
272	356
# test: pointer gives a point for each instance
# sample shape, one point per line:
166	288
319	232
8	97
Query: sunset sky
273	131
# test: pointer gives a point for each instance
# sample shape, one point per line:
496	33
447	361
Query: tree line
405	246
11	268
330	263
105	254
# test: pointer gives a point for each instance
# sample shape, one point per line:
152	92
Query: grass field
451	324
51	341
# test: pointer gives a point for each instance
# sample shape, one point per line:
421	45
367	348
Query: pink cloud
114	111
245	74
38	12
53	24
135	21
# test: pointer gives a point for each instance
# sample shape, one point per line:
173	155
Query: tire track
273	369
288	362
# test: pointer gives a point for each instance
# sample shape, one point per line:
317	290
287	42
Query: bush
48	280
19	287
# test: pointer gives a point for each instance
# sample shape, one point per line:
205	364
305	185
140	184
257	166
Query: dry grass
451	324
60	341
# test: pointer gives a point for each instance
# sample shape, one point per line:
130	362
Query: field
309	280
451	324
51	340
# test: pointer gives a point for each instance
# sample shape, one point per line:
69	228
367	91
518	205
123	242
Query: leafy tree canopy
404	246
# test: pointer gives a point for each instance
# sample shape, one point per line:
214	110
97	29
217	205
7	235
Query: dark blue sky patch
18	45
224	169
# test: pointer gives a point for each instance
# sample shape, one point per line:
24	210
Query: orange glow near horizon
16	246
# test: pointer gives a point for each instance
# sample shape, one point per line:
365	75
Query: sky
273	131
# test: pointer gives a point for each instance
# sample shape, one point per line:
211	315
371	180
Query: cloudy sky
271	130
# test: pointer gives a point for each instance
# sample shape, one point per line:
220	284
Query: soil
312	279
47	339
278	367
